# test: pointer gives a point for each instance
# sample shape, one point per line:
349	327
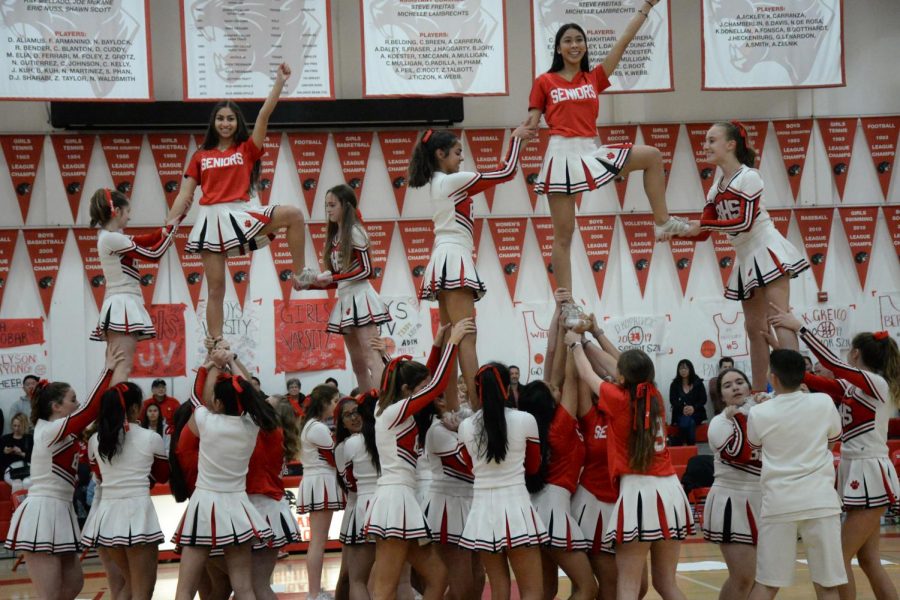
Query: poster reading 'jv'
432	48
761	44
232	48
68	50
646	65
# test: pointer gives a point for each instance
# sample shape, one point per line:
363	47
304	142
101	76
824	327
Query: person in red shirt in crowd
295	397
167	404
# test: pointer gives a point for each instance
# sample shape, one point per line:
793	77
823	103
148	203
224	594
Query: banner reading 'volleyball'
434	48
646	65
753	44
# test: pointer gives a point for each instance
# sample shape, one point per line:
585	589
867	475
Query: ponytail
646	407
103	204
367	403
879	353
177	484
736	132
319	398
423	163
491	385
537	400
43	398
399	372
238	397
112	423
287	420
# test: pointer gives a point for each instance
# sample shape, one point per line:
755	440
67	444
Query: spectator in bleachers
15	461
726	362
296	397
332	382
154	421
167	404
687	396
514	387
22	405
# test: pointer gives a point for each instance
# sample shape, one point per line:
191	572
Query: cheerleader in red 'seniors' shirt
226	168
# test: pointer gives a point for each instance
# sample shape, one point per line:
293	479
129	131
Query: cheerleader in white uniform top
219	513
866	389
226	167
395	518
319	494
126	459
45	527
359	311
764	261
123	319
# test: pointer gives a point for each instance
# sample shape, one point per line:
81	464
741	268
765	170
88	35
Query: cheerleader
123	319
651	512
451	277
732	509
359	311
764	262
124	458
45	527
502	446
319	494
219	513
568	97
394	517
227	169
866	388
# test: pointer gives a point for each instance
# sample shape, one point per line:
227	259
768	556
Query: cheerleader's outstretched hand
461	329
783	318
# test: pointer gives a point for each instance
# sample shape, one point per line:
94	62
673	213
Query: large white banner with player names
434	47
75	50
233	47
646	65
752	44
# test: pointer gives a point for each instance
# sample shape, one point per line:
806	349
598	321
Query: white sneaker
674	226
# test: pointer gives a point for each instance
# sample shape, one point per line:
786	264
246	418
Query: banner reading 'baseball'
646	65
753	44
434	48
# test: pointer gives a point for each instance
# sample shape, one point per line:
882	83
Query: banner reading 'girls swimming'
646	65
75	50
434	48
758	44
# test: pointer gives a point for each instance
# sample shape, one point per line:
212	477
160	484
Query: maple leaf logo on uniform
247	223
854	484
610	155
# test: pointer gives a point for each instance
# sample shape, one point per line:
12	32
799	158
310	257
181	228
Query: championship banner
543	229
793	139
757	131
404	332
397	148
73	153
418	240
531	158
45	248
756	44
353	151
486	148
86	240
284	265
232	51
8	238
317	234
509	237
859	227
697	136
641	241
645	333
308	150
199	138
191	265
881	134
683	253
781	218
122	153
148	269
169	153
23	155
618	134
166	354
725	255
596	235
663	137
380	235
301	342
832	324
21	332
434	48
892	219
815	229
271	149
76	50
646	65
838	134
239	269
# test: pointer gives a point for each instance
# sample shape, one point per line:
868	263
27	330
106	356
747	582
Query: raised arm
569	398
585	401
582	364
87	413
261	127
606	356
637	21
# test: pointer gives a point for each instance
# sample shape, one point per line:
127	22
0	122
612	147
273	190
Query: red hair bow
881	335
499	382
238	388
390	368
427	135
121	388
109	200
648	392
741	131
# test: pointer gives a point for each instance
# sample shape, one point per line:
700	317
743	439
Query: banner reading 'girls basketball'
756	44
646	65
434	48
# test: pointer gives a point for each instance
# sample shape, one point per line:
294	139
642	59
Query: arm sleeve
817	383
197	389
748	190
600	78
721	432
253	153
159	471
87	413
841	369
490	179
193	168
150	246
436	387
537	99
321	438
434	357
360	268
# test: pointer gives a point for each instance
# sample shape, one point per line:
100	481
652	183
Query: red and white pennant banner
597	234
838	135
618	134
8	239
397	148
543	230
317	234
122	153
892	218
418	241
881	135
271	149
793	138
683	254
308	150
663	137
641	240
73	153
486	147
859	227
531	157
815	229
380	235
509	236
169	153
86	240
23	155
149	269
45	247
353	150
191	265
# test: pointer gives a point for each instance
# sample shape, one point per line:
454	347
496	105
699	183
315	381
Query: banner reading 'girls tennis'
231	51
75	50
646	65
434	48
757	44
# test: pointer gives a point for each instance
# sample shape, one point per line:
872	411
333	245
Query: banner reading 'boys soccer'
646	65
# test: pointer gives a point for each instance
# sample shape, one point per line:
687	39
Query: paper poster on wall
231	49
831	323
757	44
82	50
23	351
889	311
646	65
646	333
535	318
301	342
23	155
405	333
164	355
240	327
434	48
21	332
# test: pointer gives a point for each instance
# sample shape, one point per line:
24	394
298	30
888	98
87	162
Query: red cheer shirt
595	476
224	176
566	450
570	107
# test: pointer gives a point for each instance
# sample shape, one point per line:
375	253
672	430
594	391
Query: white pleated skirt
451	267
731	516
593	516
553	504
126	314
358	304
762	255
280	519
319	491
868	483
220	519
354	520
446	515
502	518
230	228
578	164
44	524
122	522
650	509
394	513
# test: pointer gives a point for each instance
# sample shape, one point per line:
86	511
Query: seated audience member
296	397
687	395
15	459
167	404
332	382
